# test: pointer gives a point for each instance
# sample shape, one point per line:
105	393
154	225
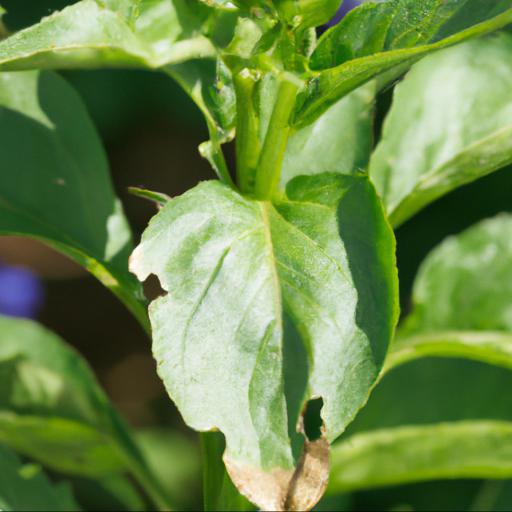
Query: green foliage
428	148
57	188
26	487
466	449
464	283
52	409
369	58
281	285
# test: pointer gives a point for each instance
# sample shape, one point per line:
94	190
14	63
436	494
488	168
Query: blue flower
21	292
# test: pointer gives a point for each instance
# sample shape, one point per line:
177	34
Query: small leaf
307	13
271	305
26	487
468	449
338	141
426	151
327	86
56	187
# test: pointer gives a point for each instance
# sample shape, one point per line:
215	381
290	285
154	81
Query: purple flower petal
21	292
344	9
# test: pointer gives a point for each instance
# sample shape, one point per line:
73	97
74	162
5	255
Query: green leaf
26	487
340	140
393	24
269	306
177	36
52	409
468	449
326	87
56	187
97	33
465	283
489	347
450	123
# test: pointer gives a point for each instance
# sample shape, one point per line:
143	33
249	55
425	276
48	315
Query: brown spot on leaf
280	489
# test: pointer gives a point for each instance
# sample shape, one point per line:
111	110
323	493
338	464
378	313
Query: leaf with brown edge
269	306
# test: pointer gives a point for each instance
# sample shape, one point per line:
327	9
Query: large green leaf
403	29
52	409
468	449
451	123
56	185
26	487
340	140
269	306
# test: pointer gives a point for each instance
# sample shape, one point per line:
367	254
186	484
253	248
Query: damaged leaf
271	305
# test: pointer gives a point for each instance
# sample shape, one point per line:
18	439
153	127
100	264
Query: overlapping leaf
26	487
270	305
390	36
55	183
451	123
462	301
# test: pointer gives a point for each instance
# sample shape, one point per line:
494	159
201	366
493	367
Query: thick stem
272	154
247	136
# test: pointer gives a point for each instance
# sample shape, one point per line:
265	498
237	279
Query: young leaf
270	305
307	13
326	87
467	449
26	487
338	141
52	409
393	24
451	123
56	185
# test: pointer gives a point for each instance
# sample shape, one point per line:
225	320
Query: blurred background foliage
151	131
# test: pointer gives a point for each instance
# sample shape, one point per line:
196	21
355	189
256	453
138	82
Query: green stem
219	493
272	154
247	136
